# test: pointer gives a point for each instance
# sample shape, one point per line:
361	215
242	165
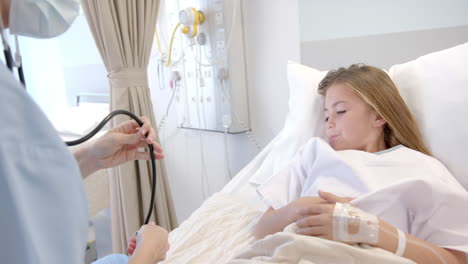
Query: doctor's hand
121	143
151	245
117	146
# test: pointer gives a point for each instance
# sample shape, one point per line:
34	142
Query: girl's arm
417	249
273	221
318	220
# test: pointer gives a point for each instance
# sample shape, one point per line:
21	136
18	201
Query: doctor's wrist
86	162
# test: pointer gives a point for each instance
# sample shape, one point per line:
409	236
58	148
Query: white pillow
304	120
434	86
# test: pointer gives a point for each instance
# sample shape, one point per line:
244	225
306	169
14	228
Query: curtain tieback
128	78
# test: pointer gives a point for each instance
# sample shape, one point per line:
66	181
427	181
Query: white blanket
216	231
288	247
221	229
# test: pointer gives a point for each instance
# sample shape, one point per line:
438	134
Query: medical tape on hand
350	224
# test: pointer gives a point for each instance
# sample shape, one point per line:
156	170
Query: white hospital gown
406	188
43	208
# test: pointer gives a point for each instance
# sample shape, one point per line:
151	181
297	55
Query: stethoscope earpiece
9	60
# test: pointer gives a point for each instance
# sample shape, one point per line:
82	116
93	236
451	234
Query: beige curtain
123	31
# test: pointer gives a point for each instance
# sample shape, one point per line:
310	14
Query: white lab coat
406	188
43	208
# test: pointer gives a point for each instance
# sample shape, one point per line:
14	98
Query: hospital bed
435	87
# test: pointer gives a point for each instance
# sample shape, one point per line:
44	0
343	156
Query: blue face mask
42	18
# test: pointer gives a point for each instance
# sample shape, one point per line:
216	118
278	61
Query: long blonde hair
376	88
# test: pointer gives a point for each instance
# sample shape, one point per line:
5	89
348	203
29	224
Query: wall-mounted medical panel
207	65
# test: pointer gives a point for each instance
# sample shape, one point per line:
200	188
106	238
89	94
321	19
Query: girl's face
350	122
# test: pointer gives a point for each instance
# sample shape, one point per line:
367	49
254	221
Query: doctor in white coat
43	208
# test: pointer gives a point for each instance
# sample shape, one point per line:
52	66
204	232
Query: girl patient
383	187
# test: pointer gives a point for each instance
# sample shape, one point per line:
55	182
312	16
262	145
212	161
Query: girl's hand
316	220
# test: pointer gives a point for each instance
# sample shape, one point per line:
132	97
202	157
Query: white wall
331	19
380	33
272	33
270	42
383	50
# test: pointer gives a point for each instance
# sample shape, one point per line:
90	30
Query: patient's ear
378	120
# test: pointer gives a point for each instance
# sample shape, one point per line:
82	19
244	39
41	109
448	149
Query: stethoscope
10	62
151	151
